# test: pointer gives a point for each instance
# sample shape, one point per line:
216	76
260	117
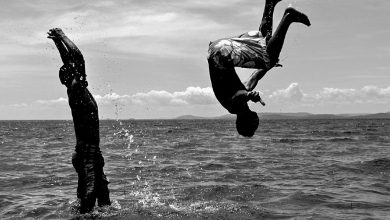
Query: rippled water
170	169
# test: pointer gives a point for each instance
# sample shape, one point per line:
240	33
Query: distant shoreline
262	116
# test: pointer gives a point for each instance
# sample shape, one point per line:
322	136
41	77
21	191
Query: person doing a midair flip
255	49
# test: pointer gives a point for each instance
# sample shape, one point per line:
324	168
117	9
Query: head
247	123
66	74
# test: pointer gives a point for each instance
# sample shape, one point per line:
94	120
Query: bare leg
266	30
275	44
266	22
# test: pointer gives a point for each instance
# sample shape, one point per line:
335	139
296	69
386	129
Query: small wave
288	140
341	139
213	166
335	133
357	205
351	132
308	140
295	140
301	198
380	162
377	165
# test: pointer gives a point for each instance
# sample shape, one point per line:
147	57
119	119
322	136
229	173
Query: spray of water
136	159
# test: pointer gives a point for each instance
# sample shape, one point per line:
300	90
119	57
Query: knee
77	161
274	61
104	180
99	160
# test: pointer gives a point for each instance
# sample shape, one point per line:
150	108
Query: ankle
272	3
293	15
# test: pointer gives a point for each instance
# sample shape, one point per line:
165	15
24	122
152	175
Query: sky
147	59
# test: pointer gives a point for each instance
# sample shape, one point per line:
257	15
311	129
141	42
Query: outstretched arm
63	51
73	51
60	46
251	83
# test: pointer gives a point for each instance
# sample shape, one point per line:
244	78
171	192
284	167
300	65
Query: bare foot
297	16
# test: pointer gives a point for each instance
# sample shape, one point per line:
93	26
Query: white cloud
365	95
54	101
111	98
125	28
166	29
191	96
192	100
21	105
374	91
292	92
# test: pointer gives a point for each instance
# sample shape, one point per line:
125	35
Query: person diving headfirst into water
255	49
87	159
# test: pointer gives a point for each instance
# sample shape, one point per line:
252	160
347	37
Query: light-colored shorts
247	51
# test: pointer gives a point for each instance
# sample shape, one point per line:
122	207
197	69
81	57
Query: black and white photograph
195	109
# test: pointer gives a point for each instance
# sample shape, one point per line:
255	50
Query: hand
254	96
55	33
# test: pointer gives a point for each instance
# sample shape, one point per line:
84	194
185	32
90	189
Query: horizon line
202	117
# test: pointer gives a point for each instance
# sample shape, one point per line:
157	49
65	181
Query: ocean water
201	169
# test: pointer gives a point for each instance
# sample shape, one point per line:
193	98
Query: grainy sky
147	59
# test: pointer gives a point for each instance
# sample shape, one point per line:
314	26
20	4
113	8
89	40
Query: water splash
139	189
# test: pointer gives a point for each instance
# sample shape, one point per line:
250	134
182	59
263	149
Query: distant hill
189	117
298	115
374	116
226	117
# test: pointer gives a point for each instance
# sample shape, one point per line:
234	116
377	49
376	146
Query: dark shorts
92	182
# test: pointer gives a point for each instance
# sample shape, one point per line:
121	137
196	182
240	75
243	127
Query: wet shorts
247	51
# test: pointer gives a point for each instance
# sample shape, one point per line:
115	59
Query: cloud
364	95
52	102
193	100
139	27
292	93
167	28
20	105
191	96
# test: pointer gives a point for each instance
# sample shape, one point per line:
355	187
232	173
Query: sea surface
201	169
